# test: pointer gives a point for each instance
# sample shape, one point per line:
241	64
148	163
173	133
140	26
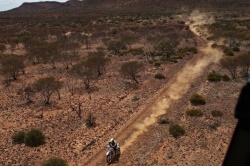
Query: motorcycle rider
113	143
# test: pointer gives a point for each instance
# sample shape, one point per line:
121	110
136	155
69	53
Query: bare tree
14	41
97	61
86	40
37	51
12	65
113	31
244	63
167	48
28	41
47	86
2	48
231	64
67	59
90	121
84	72
116	47
131	70
28	93
77	107
51	54
71	85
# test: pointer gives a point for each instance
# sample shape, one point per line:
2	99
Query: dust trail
179	86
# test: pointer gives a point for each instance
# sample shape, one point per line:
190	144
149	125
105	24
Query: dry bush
197	99
176	130
194	112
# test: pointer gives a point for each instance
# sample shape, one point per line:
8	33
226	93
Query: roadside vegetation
176	130
194	112
55	161
54	70
32	138
197	99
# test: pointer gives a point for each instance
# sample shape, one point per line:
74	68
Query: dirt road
176	88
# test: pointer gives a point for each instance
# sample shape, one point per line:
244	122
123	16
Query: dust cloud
183	80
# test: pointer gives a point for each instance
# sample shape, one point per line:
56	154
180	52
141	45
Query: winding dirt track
99	158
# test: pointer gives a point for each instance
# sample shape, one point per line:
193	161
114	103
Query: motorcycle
111	153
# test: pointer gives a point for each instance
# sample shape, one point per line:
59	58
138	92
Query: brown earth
118	106
112	101
206	139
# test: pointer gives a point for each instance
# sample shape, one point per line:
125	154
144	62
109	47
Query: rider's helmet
112	142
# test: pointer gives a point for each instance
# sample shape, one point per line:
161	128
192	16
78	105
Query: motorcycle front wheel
109	158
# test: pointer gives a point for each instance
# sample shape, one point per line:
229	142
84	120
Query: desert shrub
236	49
192	49
184	51
136	51
216	113
157	64
228	52
214	125
173	60
163	120
214	45
225	78
34	138
176	130
181	22
197	99
55	162
116	47
194	112
214	77
90	121
135	99
160	76
18	137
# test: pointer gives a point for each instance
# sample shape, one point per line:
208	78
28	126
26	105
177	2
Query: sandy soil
206	139
118	105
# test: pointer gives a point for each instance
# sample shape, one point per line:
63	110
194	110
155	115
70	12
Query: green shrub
160	76
18	137
197	99
216	113
34	138
176	130
194	112
55	162
214	77
225	78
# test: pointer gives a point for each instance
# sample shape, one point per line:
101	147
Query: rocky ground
113	101
207	137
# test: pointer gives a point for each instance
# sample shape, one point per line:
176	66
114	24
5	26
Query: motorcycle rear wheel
118	151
